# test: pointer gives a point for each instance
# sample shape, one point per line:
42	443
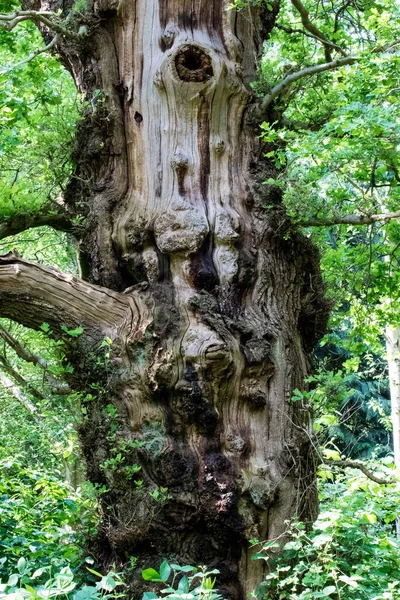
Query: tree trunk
210	302
392	337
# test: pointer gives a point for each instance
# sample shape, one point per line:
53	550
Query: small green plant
351	552
22	585
199	585
72	332
160	495
41	518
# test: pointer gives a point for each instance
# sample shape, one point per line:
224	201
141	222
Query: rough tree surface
212	301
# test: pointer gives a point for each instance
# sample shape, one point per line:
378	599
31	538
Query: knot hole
193	64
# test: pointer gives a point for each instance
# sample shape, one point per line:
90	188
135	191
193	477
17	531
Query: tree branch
20	350
10	20
357	464
309	26
57	386
21	222
292	30
18	394
32	294
350	219
34	54
8	368
307	71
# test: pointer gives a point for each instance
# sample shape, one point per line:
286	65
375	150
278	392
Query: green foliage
41	519
200	585
350	408
38	113
22	585
351	551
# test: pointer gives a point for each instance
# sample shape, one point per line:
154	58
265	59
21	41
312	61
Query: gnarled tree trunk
212	302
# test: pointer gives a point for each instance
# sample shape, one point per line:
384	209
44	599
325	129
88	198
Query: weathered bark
227	298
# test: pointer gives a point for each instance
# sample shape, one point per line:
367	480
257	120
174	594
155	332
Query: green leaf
72	332
151	575
13	580
330	589
21	564
108	583
150	596
183	585
185	569
94	572
38	572
165	571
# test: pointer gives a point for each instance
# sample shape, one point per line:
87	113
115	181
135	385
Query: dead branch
357	464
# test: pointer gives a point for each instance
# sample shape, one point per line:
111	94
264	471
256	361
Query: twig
20	350
357	464
309	26
34	54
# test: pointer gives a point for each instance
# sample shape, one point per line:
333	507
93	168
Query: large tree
198	303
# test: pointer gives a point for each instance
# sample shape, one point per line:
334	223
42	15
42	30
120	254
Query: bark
392	338
18	223
223	300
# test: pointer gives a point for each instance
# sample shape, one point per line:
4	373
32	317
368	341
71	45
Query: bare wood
32	294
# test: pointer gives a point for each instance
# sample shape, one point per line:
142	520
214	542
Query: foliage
21	585
200	585
41	519
38	113
350	408
351	551
337	147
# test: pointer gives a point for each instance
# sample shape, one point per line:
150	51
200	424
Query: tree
198	303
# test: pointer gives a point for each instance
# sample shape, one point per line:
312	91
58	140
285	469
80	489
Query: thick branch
351	219
307	71
18	223
32	294
357	464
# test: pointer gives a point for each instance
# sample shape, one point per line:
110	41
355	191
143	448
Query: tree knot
193	64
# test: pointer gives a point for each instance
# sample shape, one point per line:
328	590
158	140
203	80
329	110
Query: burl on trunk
211	300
